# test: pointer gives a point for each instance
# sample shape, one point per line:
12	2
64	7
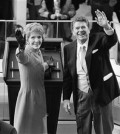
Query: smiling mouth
37	44
81	35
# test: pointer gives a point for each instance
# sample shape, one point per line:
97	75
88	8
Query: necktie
82	54
82	59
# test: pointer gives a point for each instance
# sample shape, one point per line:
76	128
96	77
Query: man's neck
82	41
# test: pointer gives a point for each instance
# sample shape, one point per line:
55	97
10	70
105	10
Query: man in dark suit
6	128
90	78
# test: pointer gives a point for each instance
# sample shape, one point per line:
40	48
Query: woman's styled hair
80	19
33	27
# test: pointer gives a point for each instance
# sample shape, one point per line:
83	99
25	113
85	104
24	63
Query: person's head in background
34	33
45	27
81	29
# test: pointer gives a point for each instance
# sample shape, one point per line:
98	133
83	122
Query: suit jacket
6	128
102	78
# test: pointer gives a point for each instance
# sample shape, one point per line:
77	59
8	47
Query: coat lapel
73	49
89	53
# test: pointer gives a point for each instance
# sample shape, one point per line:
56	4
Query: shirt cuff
109	31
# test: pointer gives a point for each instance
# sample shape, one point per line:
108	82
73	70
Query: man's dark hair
80	19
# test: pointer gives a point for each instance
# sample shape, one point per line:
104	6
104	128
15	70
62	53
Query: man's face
81	31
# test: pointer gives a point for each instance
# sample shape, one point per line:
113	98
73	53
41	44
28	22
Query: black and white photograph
60	67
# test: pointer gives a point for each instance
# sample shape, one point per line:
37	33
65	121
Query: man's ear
73	32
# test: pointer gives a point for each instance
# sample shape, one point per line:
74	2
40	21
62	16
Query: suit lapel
89	53
91	45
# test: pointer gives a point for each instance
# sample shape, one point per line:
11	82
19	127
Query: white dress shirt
83	79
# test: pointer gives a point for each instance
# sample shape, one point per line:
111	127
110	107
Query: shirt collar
81	45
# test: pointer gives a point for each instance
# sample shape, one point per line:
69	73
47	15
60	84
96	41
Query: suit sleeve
22	56
109	41
67	79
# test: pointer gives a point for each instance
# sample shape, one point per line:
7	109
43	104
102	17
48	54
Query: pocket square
107	76
94	51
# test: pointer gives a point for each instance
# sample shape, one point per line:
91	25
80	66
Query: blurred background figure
43	15
37	10
65	12
76	3
6	13
33	7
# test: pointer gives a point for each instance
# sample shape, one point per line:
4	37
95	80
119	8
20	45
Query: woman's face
35	40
